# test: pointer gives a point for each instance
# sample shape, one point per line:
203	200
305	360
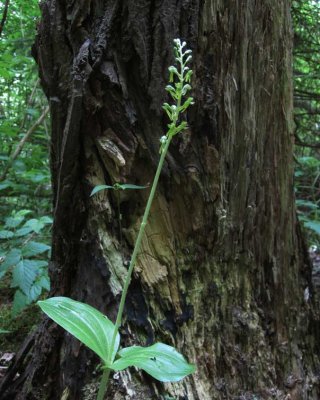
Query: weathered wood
223	268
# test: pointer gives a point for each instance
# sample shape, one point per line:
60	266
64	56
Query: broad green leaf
44	282
34	248
11	259
161	361
46	220
307	204
35	224
5	185
13	222
84	322
315	226
37	178
3	270
24	274
39	264
23	213
20	301
23	231
6	234
98	188
4	331
34	291
298	173
309	161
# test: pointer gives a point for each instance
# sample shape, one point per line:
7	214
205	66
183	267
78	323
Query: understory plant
24	257
94	329
307	175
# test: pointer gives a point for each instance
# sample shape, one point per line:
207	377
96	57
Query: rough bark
223	272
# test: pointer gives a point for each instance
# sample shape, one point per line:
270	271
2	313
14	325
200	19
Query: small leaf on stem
124	186
98	188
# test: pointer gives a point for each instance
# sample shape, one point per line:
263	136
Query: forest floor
13	329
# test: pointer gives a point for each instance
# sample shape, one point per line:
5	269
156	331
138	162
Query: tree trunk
223	273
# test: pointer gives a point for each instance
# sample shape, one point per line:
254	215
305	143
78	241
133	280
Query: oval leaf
12	258
98	188
25	273
161	361
84	322
23	231
20	301
6	234
46	220
34	224
34	248
314	225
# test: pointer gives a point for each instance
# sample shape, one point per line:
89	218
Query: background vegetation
25	189
306	19
25	193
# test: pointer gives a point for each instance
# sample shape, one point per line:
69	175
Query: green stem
164	150
106	373
141	232
103	384
119	216
138	242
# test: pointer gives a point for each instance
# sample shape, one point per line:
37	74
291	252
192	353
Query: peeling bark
223	267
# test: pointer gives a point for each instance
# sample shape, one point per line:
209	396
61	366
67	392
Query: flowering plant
89	325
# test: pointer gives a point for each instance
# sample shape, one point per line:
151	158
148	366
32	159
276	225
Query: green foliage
84	322
116	186
14	330
88	324
95	330
307	69
307	113
26	184
307	175
161	361
24	177
22	257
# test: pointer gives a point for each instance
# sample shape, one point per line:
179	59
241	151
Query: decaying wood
223	269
